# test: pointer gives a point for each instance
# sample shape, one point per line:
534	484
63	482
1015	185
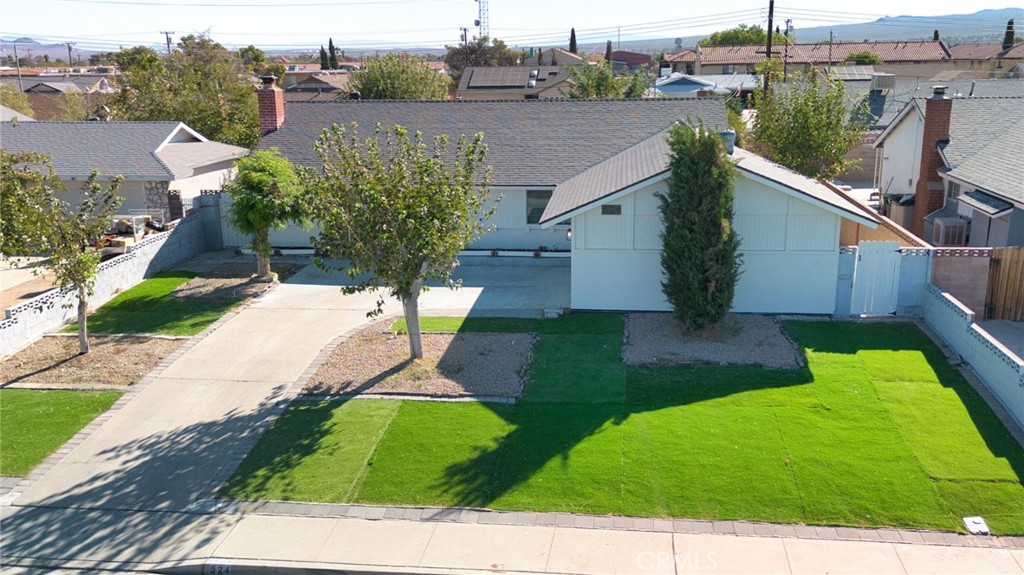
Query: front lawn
149	308
878	430
33	424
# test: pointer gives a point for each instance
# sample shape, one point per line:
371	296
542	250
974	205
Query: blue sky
109	24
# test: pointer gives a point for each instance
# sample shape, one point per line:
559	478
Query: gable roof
7	114
63	87
890	103
153	151
648	161
986	140
511	79
889	52
975	51
632	58
530	142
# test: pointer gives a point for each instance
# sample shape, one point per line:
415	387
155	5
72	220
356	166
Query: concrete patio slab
699	553
838	557
610	552
490	547
957	560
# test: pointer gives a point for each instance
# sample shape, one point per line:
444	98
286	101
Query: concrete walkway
133	493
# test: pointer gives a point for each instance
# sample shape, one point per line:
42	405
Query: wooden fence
1005	298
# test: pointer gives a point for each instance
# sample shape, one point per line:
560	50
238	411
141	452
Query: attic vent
534	73
949	232
883	81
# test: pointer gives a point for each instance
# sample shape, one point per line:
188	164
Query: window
689	69
611	210
727	68
536	201
952	190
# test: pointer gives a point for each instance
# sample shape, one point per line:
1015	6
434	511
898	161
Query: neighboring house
512	82
988	59
952	168
592	168
322	83
7	114
556	57
164	164
623	60
789	227
677	84
905	59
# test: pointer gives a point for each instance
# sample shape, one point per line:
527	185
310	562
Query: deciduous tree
398	209
865	58
700	250
399	77
27	188
266	194
806	124
741	35
15	99
593	82
477	52
74	260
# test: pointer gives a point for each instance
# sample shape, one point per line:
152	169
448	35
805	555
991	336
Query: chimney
271	104
729	138
928	196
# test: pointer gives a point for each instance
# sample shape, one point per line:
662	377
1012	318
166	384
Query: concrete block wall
997	367
963	273
29	321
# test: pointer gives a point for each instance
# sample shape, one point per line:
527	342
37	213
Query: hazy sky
108	24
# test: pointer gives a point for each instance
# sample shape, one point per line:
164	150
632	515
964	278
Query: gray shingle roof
986	140
650	158
530	142
7	114
904	91
129	149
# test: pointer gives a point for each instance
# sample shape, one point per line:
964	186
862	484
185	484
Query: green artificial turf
149	308
33	424
877	430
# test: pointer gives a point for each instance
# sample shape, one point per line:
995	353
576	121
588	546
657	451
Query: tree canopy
399	77
27	188
741	35
15	99
595	82
865	58
806	125
700	249
201	84
478	52
266	194
398	209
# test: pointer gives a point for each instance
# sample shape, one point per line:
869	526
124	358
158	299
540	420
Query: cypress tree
540	56
572	40
332	54
700	250
325	64
608	52
1009	36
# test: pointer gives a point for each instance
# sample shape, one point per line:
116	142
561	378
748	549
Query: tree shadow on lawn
578	387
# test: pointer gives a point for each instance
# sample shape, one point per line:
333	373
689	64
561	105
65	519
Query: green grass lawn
878	430
33	424
149	308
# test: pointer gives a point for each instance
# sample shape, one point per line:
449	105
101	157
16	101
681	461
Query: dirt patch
739	339
231	281
114	360
457	365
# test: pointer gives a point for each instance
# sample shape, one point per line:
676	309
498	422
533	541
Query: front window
536	201
953	191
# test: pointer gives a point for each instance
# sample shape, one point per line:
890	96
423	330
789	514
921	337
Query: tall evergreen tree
325	63
700	250
1008	37
572	40
540	56
332	54
608	52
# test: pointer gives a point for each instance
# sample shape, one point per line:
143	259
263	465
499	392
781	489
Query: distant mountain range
983	26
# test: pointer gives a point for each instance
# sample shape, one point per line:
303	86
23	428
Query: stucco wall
212	178
963	273
901	156
790	254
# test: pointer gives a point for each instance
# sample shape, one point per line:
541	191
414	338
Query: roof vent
534	73
531	84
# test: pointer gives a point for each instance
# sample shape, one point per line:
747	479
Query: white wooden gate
876	278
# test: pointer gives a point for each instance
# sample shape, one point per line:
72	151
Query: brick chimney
271	103
929	194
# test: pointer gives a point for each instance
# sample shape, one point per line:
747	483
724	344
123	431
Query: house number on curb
217	569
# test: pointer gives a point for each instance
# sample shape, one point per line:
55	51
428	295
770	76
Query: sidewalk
134	493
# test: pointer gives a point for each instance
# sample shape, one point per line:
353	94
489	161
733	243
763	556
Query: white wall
511	230
901	156
790	250
212	178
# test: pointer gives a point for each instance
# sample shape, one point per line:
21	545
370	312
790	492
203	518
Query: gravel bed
113	360
453	365
739	339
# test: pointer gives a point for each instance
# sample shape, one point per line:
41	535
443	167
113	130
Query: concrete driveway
1009	333
491	286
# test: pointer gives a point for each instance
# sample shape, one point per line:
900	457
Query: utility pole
785	55
168	36
830	38
17	64
768	47
71	61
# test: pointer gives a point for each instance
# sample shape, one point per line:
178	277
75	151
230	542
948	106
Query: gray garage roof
530	142
986	140
155	151
649	160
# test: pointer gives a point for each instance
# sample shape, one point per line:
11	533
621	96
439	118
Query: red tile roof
631	58
975	51
818	53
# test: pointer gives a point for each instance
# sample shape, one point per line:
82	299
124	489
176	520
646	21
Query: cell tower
483	19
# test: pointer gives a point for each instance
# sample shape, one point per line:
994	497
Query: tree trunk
411	307
261	245
83	331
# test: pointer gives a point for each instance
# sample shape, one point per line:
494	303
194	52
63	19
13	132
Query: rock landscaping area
231	281
740	339
376	361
